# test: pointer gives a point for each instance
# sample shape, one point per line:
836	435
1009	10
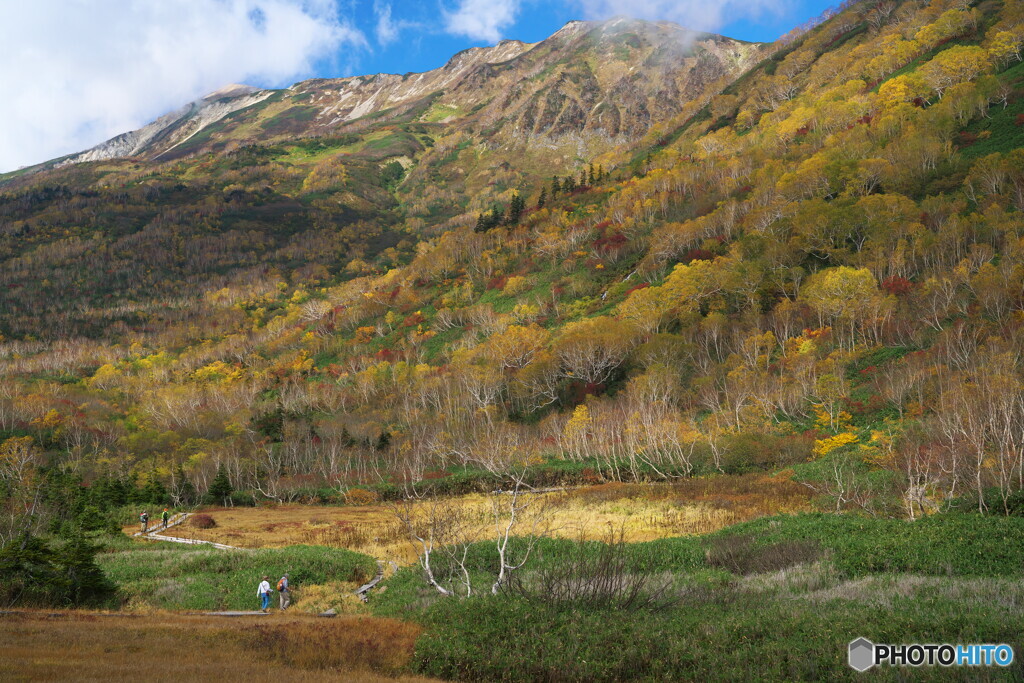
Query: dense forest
815	262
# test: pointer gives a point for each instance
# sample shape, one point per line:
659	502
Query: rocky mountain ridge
608	80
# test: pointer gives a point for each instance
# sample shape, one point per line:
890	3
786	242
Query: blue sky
77	72
419	36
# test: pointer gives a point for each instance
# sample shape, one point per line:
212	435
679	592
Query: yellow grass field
642	512
83	646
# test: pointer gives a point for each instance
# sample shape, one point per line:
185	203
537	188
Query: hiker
144	521
286	596
165	517
264	593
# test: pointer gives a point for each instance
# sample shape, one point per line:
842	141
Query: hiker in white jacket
263	593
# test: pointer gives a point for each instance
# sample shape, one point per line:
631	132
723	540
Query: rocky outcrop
175	128
611	80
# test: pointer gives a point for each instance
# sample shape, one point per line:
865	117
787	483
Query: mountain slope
613	78
814	267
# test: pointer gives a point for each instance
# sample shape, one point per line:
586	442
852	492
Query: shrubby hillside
802	255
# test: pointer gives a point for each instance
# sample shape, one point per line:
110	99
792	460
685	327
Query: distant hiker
165	516
144	521
263	592
286	596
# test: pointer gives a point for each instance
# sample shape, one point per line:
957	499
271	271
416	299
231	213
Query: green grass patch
169	576
1000	132
945	578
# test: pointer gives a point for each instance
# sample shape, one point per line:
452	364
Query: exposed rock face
177	127
608	80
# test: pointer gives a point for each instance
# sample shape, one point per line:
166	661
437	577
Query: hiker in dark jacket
286	596
144	521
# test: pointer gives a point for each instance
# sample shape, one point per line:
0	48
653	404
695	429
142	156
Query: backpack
280	584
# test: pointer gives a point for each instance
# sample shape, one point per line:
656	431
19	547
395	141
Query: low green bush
948	577
193	577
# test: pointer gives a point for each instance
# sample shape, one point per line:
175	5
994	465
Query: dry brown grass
358	643
82	646
642	512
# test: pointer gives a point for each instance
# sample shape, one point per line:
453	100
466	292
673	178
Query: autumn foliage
709	305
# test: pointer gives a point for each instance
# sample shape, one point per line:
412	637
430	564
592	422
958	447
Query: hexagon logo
862	654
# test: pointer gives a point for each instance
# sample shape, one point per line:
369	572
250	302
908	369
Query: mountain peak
230	90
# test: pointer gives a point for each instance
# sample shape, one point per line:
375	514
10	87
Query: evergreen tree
35	573
154	491
515	209
556	187
85	582
590	175
543	198
383	441
488	221
600	173
220	488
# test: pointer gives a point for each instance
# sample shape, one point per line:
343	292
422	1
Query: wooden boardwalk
157	535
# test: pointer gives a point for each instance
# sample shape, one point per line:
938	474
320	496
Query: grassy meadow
81	646
643	512
774	599
168	576
727	577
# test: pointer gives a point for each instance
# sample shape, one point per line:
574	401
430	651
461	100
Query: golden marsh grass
643	512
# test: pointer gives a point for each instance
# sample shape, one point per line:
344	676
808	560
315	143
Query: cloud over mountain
78	72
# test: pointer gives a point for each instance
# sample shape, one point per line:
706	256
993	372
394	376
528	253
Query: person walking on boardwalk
286	596
144	521
165	517
263	593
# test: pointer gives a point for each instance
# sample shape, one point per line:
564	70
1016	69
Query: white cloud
76	72
481	19
700	15
387	29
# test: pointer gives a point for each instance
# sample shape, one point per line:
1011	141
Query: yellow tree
516	346
842	295
592	350
955	65
1006	45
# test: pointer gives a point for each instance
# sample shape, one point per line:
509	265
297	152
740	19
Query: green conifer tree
220	488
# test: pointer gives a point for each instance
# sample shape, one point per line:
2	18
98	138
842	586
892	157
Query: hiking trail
157	535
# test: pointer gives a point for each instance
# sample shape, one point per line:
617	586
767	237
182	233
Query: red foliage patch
1019	120
966	138
385	355
612	243
642	285
578	391
498	282
897	285
414	319
202	521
